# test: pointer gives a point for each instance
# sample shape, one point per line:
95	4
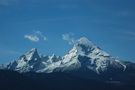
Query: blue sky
53	25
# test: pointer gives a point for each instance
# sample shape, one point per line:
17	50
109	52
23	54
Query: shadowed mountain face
84	67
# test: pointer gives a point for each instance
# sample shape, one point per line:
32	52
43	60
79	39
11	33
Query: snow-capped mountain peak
32	54
84	55
85	47
25	62
84	41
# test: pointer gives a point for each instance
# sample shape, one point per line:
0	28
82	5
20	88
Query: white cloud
40	35
69	38
36	36
33	38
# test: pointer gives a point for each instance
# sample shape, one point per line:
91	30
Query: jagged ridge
84	55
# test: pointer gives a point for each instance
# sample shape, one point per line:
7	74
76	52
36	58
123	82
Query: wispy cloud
36	36
39	33
33	38
69	37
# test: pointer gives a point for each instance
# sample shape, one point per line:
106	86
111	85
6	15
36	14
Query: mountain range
83	55
84	60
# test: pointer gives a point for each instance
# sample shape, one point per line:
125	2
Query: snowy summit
83	55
